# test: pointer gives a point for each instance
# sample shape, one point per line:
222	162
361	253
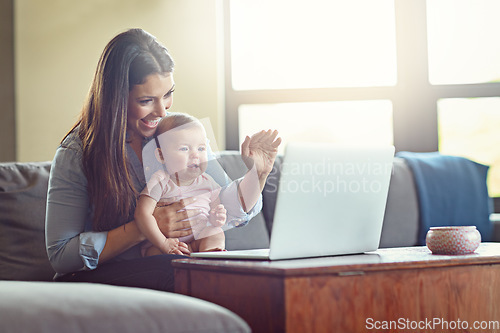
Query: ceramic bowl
453	240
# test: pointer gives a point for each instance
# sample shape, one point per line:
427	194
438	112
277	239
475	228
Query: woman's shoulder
72	140
71	146
68	157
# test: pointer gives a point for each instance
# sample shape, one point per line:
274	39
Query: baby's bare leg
215	242
194	246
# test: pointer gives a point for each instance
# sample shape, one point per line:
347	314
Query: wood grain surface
402	287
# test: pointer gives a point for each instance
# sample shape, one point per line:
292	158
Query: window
470	128
321	121
288	50
431	68
462	37
464	55
284	44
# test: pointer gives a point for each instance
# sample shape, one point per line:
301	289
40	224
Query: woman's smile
151	123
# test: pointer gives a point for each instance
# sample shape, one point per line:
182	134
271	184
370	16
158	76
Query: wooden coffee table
406	289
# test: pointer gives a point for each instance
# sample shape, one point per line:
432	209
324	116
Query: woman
97	173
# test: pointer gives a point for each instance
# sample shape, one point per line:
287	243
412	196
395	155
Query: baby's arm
258	152
148	226
218	214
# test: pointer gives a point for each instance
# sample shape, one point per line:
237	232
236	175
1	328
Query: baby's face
185	153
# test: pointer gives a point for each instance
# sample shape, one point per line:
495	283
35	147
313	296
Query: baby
182	150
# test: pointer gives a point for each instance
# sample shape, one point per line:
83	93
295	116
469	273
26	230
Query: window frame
414	98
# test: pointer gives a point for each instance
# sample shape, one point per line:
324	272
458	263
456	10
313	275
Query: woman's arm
121	239
71	243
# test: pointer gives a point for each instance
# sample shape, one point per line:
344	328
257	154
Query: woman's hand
174	220
260	150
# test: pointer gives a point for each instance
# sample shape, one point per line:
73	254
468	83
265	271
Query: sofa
31	302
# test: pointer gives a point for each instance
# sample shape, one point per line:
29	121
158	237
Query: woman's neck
135	141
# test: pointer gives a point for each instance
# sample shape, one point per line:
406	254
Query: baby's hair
174	120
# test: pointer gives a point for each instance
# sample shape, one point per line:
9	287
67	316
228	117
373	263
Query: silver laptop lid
331	200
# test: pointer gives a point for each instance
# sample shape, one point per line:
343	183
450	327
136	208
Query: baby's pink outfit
204	188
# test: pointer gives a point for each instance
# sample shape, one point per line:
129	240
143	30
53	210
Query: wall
58	43
7	113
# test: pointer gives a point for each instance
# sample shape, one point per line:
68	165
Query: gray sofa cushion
83	307
23	192
401	220
400	227
270	193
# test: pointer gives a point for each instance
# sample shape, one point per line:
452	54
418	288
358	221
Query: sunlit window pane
470	128
284	44
352	122
463	41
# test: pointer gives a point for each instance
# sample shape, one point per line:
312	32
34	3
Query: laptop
331	201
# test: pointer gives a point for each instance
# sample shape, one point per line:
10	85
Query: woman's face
148	103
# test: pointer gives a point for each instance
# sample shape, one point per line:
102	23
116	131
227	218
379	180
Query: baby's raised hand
218	216
260	150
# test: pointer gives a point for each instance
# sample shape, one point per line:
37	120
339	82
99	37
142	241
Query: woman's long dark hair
126	61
